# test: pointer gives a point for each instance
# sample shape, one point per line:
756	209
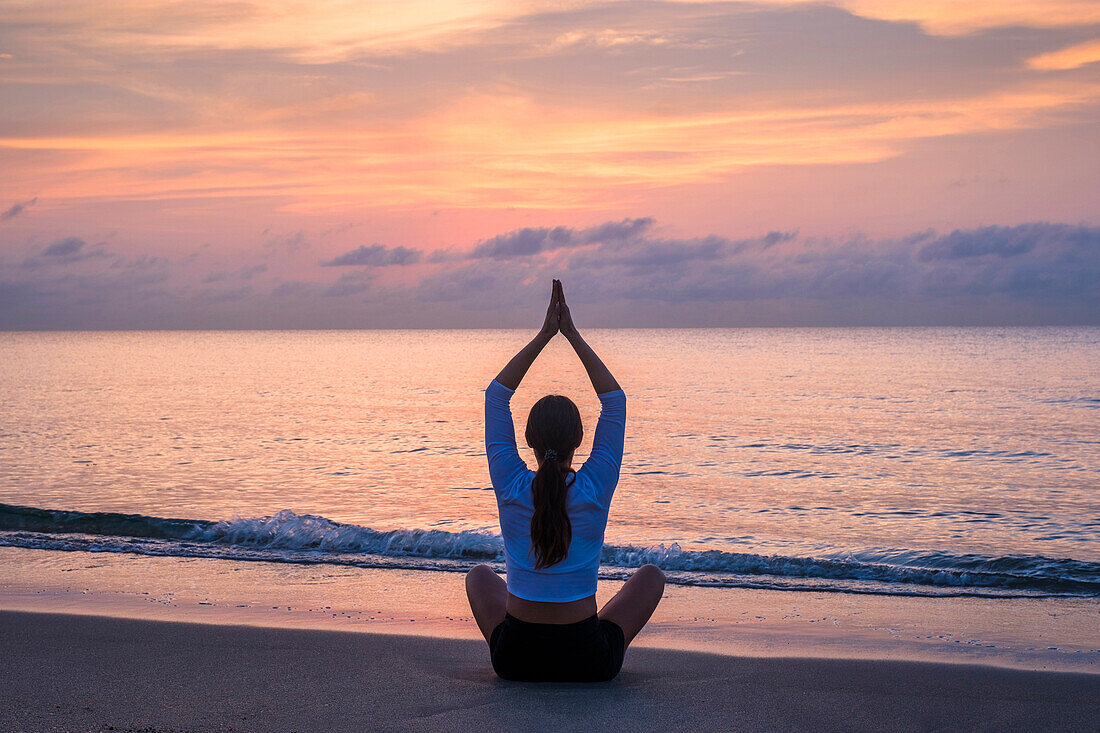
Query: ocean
879	461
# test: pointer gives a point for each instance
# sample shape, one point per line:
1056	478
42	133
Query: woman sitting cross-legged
543	625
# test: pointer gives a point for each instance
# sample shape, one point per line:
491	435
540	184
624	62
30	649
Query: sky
335	164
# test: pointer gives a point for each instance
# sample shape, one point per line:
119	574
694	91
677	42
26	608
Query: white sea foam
289	537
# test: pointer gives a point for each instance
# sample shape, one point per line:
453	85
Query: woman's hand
552	323
513	372
565	318
601	378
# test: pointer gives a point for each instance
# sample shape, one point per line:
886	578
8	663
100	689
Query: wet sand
1027	633
67	672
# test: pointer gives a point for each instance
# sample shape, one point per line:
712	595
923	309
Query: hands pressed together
558	318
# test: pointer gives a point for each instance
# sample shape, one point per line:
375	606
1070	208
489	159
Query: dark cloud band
623	273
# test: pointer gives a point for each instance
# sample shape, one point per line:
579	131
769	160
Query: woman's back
587	501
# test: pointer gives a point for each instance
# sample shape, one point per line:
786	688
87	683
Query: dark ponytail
554	431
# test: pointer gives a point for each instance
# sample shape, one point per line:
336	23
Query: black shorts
587	651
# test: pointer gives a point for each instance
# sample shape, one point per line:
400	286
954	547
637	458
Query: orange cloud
317	31
335	29
951	17
1067	58
496	150
333	137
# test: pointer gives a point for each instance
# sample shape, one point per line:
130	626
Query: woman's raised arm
514	371
602	380
606	458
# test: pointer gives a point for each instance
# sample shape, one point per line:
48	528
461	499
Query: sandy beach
66	672
337	337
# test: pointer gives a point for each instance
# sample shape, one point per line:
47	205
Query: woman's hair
554	431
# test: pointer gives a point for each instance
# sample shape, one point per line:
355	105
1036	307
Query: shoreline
69	672
1050	635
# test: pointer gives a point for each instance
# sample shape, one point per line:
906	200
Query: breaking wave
293	538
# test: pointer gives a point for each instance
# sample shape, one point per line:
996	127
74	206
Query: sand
67	672
1045	634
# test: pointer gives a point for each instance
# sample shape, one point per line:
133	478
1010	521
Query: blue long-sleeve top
587	502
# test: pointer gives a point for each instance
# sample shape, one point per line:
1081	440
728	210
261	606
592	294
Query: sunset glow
201	135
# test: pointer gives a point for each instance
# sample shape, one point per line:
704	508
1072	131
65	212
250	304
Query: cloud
291	288
66	251
1019	272
1072	57
16	209
627	242
289	243
617	231
524	242
105	290
952	17
999	241
349	283
470	284
376	255
618	273
1034	261
64	247
593	104
530	241
244	273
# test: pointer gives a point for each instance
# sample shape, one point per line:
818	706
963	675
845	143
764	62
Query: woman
542	625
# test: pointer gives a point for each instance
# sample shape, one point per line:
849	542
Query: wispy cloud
286	243
592	105
1072	57
66	251
17	208
534	240
375	255
955	18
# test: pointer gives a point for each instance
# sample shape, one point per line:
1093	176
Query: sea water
911	461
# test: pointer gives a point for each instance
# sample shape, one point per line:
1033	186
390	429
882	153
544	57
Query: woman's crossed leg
630	608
